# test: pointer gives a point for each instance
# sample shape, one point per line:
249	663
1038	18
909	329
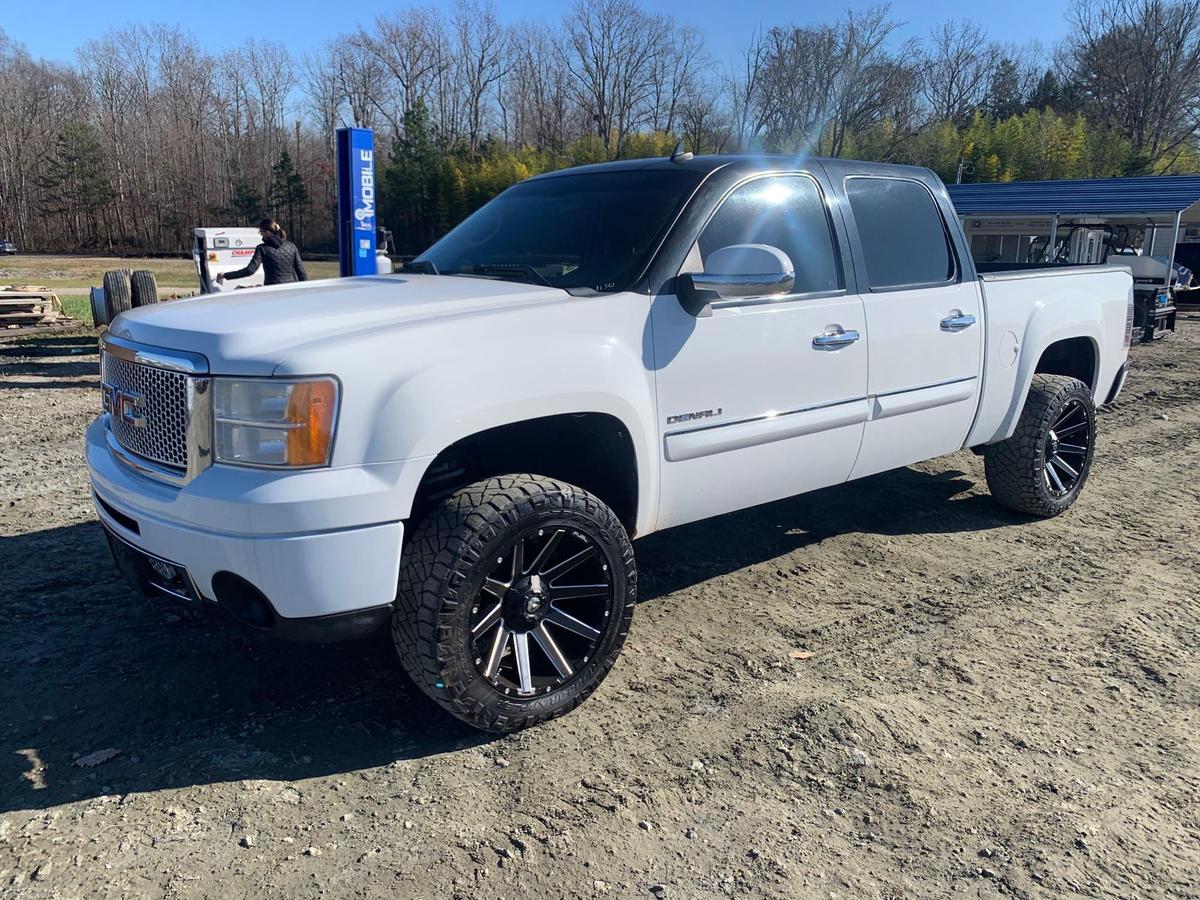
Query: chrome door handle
957	321
834	338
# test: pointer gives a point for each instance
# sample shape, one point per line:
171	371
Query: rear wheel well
1073	357
591	450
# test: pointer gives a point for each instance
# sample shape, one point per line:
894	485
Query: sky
53	29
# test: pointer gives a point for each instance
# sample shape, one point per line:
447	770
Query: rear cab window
903	236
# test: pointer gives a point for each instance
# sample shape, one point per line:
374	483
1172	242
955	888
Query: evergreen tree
413	185
289	192
75	181
247	206
1004	91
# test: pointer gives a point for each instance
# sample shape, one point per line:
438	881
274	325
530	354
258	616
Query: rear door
925	321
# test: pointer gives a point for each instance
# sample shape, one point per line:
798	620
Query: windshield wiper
425	266
508	270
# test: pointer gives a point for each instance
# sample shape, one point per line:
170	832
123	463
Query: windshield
594	231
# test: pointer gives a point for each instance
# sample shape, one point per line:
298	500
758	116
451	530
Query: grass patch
77	307
71	277
75	274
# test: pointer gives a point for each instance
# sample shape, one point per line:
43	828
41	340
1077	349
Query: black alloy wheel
541	611
1067	448
516	594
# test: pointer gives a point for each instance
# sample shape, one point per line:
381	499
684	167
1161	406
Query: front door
766	397
926	325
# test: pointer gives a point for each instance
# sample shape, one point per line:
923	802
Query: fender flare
1050	324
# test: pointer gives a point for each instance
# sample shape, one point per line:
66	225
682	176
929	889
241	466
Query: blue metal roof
1143	196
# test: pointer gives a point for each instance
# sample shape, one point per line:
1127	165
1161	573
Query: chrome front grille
159	407
149	410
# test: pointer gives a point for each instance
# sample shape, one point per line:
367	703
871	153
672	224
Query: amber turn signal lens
310	411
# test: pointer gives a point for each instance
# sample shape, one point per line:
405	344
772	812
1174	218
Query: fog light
242	600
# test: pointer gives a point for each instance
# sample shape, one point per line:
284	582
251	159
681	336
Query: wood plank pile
29	306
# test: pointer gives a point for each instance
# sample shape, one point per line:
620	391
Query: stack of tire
123	289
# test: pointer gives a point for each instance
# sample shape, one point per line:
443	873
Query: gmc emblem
126	404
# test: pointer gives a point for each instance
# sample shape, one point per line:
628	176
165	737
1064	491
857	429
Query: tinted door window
903	237
786	212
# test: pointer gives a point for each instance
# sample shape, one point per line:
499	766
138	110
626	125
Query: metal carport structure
1155	201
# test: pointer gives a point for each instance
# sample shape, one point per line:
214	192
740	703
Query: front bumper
325	582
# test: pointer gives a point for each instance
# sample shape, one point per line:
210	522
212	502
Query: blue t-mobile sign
356	200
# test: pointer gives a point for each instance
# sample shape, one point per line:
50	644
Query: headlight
274	422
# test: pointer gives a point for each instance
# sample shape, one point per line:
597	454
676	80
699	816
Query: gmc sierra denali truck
465	449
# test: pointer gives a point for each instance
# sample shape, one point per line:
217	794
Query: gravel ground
991	705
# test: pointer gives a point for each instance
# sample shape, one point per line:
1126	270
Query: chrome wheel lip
1067	448
542	610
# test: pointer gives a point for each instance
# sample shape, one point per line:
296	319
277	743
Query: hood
249	332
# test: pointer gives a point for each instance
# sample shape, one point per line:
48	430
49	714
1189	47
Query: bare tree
149	132
538	90
874	86
808	89
1138	64
323	89
480	61
957	67
409	46
746	87
359	76
610	46
704	125
675	71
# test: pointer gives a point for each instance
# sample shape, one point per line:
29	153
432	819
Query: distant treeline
148	134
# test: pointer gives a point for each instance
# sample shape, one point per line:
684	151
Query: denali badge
689	417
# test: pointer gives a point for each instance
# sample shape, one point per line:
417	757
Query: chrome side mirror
735	273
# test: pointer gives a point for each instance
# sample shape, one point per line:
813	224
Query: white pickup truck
466	448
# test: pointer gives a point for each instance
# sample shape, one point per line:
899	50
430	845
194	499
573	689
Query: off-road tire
143	288
118	295
441	571
1015	467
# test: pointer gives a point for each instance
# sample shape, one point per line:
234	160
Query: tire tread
118	296
1011	466
455	531
143	288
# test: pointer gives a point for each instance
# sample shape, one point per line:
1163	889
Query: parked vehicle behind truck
1153	293
465	450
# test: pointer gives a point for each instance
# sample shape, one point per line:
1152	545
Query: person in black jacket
278	256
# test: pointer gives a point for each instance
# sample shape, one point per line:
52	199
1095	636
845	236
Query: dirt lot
992	706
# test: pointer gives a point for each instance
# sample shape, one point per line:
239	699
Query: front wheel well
1074	357
591	450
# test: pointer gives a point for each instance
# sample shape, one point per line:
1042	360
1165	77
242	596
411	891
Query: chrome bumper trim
152	470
